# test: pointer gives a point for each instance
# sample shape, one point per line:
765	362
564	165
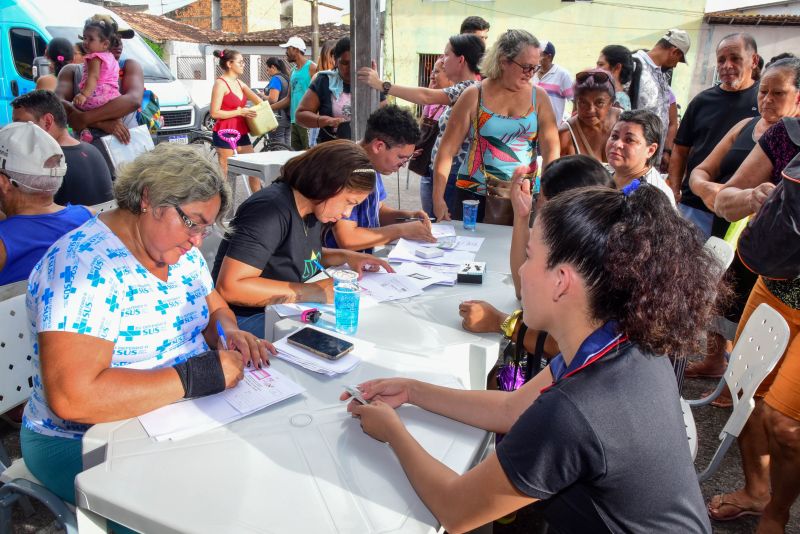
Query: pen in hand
223	342
410	219
321	268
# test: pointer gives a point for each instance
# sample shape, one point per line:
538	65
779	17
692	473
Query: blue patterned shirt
89	283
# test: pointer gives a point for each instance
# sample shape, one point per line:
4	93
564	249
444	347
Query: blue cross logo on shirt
141	270
161	348
77	236
86	247
178	323
130	333
112	303
187	280
162	287
82	327
116	253
95	278
130	293
47	296
205	311
52	252
162	307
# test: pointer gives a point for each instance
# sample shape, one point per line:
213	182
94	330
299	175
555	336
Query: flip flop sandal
740	511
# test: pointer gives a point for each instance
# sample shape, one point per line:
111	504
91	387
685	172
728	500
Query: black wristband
201	375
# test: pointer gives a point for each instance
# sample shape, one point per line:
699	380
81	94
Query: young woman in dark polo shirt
618	278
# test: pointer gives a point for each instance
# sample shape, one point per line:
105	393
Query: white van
27	25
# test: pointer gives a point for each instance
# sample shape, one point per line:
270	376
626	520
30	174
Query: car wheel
208	122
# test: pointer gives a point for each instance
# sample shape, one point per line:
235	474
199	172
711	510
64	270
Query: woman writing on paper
124	312
598	435
275	245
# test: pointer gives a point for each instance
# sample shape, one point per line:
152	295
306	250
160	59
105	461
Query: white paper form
386	287
191	417
423	276
442	230
260	388
461	242
404	251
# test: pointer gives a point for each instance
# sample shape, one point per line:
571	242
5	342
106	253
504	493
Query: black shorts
219	142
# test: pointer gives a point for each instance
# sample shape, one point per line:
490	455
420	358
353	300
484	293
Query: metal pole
364	49
314	30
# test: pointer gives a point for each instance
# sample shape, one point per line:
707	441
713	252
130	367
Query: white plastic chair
758	350
722	251
16	382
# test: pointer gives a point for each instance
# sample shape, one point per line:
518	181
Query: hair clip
631	187
371	171
60	58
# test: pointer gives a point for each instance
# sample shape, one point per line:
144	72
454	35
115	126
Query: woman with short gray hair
124	312
505	118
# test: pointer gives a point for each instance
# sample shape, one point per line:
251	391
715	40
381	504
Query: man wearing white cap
32	168
654	91
300	80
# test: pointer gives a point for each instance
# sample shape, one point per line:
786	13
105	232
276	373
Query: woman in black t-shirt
274	245
599	435
327	104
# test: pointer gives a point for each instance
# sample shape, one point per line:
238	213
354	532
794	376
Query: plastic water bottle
345	300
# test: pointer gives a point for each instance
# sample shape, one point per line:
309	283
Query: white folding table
304	465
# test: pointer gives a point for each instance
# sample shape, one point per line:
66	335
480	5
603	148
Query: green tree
157	48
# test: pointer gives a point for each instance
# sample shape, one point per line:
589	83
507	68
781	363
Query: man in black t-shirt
709	117
88	180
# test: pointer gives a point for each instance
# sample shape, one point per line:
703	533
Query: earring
144	210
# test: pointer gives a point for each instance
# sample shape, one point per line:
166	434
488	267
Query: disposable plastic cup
470	214
345	300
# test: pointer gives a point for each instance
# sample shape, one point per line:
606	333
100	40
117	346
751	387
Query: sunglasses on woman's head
596	77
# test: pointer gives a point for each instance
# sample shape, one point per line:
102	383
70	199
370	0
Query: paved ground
709	422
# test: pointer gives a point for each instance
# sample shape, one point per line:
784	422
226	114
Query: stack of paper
318	364
440	230
259	389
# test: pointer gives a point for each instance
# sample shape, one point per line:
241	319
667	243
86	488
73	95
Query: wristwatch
386	86
510	324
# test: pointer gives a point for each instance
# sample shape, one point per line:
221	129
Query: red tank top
231	102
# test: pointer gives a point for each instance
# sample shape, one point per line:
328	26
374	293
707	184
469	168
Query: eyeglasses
526	69
193	228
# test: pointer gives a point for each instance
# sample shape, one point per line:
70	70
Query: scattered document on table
390	286
259	388
442	230
461	242
405	251
423	276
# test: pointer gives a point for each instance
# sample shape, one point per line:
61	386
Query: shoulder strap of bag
574	140
475	124
793	128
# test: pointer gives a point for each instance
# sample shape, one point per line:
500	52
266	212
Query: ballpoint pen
321	268
221	334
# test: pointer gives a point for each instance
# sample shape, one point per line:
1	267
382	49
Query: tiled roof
720	17
160	29
327	32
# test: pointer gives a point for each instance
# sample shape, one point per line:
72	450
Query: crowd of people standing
610	201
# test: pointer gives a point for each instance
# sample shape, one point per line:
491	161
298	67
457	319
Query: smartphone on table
320	343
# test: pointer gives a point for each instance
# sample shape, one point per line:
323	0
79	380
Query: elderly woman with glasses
504	117
587	131
124	313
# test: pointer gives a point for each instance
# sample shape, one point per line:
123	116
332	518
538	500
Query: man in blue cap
554	79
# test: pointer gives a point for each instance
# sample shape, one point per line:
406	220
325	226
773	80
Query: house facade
242	16
416	29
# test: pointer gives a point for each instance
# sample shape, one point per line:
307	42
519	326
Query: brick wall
234	15
197	14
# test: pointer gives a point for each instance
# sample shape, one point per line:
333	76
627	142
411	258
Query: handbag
498	208
429	132
518	368
770	245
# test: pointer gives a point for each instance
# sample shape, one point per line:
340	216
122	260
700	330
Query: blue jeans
426	193
254	324
703	220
